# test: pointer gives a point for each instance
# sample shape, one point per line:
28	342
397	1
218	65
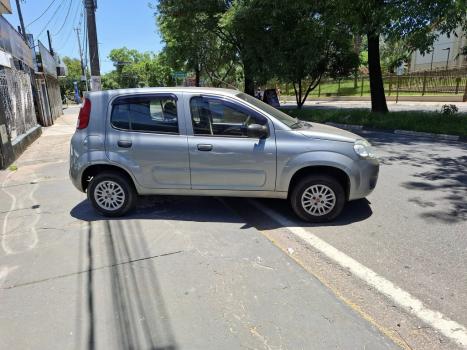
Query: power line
64	21
66	39
43	13
51	18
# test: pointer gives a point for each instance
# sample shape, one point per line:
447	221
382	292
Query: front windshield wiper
296	125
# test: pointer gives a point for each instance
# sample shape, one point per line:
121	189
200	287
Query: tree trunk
298	94
378	99
357	47
197	76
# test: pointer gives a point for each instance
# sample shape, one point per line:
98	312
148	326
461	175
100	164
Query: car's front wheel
111	194
317	198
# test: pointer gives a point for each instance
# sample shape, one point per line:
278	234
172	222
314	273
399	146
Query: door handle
204	147
124	143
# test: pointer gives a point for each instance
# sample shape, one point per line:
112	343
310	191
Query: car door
148	137
222	156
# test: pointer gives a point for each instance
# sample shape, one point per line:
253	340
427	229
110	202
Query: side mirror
257	131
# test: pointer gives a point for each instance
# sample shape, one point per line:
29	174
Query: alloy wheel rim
109	195
318	200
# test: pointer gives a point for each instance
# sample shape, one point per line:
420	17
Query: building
446	54
5	6
18	119
48	85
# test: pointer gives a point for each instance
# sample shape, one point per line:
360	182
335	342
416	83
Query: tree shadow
448	177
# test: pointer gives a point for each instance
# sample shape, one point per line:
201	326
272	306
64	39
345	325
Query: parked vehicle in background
214	142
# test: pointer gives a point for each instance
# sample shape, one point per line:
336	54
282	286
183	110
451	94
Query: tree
298	42
416	23
284	39
229	22
109	81
137	69
393	55
74	74
190	45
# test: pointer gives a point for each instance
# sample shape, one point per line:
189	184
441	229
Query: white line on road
435	319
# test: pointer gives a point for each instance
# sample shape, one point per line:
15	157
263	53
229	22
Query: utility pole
432	56
50	42
20	15
83	72
448	49
93	46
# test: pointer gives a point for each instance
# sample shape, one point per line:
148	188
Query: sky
120	23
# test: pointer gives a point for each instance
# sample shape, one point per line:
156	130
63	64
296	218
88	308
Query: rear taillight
84	115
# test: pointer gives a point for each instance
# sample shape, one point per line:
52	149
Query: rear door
222	156
147	135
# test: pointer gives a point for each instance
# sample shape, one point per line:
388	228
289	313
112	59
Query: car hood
322	131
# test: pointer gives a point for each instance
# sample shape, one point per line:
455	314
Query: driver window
220	118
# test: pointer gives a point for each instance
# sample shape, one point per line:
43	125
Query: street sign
179	75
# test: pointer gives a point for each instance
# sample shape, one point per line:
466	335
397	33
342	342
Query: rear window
146	114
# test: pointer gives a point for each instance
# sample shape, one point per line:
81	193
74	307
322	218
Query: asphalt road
212	273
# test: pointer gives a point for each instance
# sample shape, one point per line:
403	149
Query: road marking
449	328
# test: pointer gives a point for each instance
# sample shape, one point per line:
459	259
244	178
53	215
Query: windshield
292	123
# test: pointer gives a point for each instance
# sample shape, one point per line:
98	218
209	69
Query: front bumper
366	179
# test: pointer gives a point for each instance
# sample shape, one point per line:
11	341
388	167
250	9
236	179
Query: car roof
168	89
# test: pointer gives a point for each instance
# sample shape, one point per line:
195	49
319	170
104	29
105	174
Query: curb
399	132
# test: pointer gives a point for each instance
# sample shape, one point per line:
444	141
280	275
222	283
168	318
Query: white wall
440	55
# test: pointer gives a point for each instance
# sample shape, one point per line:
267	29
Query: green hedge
432	122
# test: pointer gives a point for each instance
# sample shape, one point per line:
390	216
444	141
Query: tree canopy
136	69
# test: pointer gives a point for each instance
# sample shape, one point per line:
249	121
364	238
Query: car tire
112	194
317	198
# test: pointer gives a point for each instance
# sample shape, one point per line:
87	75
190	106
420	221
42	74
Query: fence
452	82
17	101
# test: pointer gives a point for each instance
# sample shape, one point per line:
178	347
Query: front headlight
363	149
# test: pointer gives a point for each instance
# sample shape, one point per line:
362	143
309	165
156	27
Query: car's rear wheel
111	194
317	198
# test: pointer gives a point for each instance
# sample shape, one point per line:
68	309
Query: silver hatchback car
213	142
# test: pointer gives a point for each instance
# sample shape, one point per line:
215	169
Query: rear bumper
366	179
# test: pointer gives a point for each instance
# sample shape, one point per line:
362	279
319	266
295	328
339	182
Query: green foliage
74	74
136	69
288	40
303	40
433	122
449	110
393	54
109	81
194	47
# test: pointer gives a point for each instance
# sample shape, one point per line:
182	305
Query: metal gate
17	102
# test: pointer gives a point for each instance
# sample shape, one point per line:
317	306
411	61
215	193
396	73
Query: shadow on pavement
134	309
139	319
213	209
449	177
434	172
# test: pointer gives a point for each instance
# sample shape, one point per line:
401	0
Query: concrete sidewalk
179	273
